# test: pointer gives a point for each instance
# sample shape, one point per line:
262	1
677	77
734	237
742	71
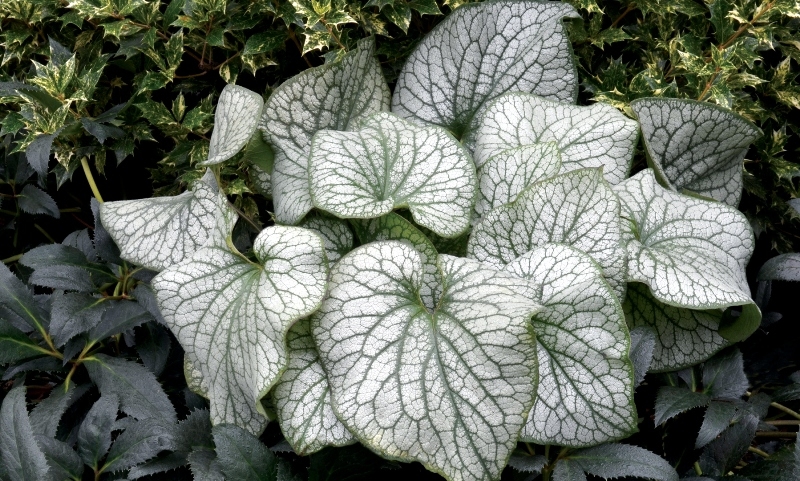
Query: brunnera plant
354	319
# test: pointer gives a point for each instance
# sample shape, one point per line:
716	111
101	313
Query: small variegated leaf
390	163
235	120
163	231
696	146
303	399
578	209
448	385
587	136
335	234
585	393
502	177
691	252
331	96
481	51
231	315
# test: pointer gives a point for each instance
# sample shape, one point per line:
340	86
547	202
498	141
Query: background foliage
126	88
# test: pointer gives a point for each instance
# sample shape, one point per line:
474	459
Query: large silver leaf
235	120
594	136
231	315
696	146
585	393
577	209
160	232
303	399
331	96
449	387
390	163
481	51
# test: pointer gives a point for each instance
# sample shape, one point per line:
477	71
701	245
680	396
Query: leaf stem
90	179
776	434
9	260
628	10
781	407
783	423
758	451
44	232
697	469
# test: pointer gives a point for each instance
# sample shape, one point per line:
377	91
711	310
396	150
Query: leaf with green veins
577	208
481	51
717	418
335	233
724	377
138	391
672	401
243	457
235	121
231	315
404	373
390	163
21	457
785	267
94	434
619	460
163	231
303	399
696	146
507	173
587	136
690	252
15	345
683	336
331	96
585	392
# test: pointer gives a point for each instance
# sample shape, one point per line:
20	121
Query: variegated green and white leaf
160	232
481	51
696	146
231	315
587	136
303	398
578	209
390	163
235	120
585	393
510	171
691	252
393	226
335	234
684	337
331	96
446	385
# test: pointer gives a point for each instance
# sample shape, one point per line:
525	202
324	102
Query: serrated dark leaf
103	244
118	317
784	465
74	313
15	345
64	462
145	296
101	131
58	266
153	343
38	153
617	460
787	393
17	304
194	432
722	455
785	267
566	470
672	401
159	465
717	418
34	200
140	394
21	456
81	240
44	364
141	441
94	434
643	342
723	375
241	456
46	416
204	466
527	464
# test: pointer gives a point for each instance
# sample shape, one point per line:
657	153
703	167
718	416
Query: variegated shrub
455	267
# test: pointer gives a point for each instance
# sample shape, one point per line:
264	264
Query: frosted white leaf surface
390	163
303	399
587	136
510	171
235	120
481	51
690	252
331	96
335	233
696	146
684	337
585	392
578	209
160	232
231	316
448	387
